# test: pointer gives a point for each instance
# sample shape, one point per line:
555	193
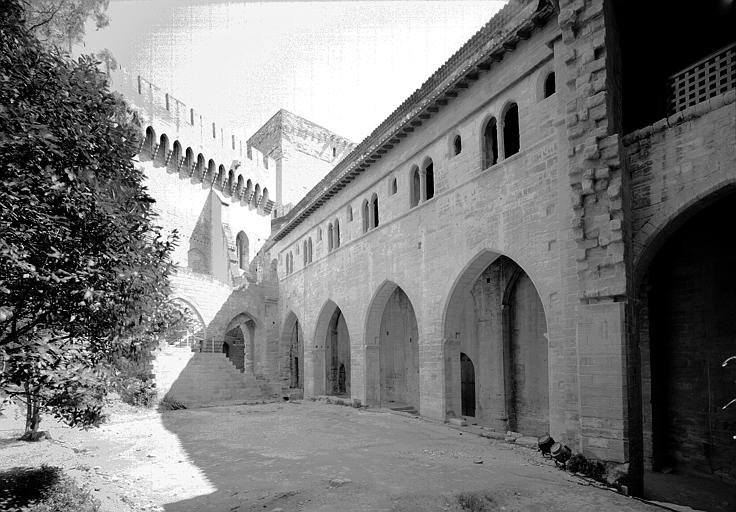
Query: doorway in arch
467	385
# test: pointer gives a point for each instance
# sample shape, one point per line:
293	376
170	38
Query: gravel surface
299	456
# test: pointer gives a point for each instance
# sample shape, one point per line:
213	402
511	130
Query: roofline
477	55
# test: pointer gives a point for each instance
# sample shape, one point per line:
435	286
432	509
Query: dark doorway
467	385
337	356
226	350
689	297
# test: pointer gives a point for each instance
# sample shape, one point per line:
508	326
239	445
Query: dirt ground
300	456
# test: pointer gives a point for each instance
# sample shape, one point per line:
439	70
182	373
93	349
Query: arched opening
189	330
337	233
457	145
374	211
349	213
333	331
162	154
549	85
256	196
226	349
176	157
242	248
309	250
686	329
292	340
416	183
429	179
511	141
305	252
200	169
391	350
366	216
392	187
467	385
240	337
330	238
230	182
495	317
211	173
490	143
186	169
150	144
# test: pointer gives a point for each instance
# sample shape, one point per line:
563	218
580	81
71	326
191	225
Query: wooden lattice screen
709	77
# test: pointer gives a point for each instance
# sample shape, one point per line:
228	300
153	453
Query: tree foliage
83	267
61	22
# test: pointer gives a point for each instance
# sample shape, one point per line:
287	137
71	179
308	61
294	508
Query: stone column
451	362
499	136
422	185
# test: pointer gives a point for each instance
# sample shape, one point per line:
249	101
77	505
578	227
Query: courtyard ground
300	456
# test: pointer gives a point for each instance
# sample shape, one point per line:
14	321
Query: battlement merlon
171	116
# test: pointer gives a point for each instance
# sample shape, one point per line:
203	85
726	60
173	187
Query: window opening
549	85
490	144
511	142
457	144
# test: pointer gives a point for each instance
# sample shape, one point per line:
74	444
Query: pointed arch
392	349
242	248
162	154
292	350
415	185
489	143
428	167
511	134
176	157
366	213
337	233
374	211
150	144
189	162
331	356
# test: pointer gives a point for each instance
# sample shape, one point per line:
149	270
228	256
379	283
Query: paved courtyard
302	456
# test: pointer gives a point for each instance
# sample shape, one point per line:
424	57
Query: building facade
535	240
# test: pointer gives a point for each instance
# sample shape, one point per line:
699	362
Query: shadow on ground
310	456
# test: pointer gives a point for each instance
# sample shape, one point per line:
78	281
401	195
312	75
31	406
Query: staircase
202	379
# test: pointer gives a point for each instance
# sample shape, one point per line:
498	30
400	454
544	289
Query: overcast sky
343	64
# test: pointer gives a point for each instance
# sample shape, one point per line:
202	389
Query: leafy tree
61	22
83	268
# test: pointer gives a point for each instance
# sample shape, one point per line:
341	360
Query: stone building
536	240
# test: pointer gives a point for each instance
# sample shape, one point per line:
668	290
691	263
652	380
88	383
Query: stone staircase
202	379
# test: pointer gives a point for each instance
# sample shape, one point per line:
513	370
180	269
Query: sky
345	65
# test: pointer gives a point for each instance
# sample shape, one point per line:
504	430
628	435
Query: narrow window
490	144
319	235
309	248
366	216
549	85
415	184
511	131
330	238
140	87
168	106
392	188
337	233
374	211
429	179
233	137
457	145
214	131
334	151
242	250
349	213
306	253
191	116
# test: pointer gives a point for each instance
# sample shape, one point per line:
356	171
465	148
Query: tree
61	22
83	268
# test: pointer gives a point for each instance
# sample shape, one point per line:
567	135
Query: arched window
490	144
429	179
306	253
366	216
415	185
309	250
392	187
457	145
319	235
349	213
337	233
330	238
374	211
242	249
549	85
511	142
